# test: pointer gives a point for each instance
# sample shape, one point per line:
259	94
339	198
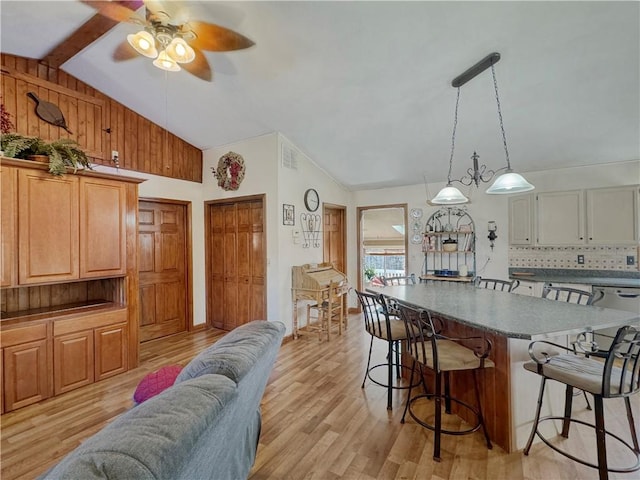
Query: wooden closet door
162	266
236	267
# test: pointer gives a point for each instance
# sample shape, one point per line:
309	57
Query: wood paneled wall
143	146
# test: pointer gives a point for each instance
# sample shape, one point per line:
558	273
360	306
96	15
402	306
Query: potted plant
369	273
61	153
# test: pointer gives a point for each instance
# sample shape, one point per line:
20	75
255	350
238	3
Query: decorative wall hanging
49	112
230	171
310	229
288	214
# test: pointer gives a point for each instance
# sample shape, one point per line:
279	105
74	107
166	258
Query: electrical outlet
580	259
631	260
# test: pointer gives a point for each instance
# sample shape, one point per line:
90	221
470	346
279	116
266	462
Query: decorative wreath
230	171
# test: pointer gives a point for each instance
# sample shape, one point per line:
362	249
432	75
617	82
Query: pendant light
450	195
509	181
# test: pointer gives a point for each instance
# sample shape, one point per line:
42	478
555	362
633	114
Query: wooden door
8	228
162	253
236	263
48	225
102	228
334	239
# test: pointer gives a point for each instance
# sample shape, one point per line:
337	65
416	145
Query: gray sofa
206	426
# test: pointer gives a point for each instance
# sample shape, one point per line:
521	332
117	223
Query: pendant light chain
504	137
453	136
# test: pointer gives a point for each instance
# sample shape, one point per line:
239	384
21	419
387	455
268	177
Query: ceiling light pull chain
504	136
453	136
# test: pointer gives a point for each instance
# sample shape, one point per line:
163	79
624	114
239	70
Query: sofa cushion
155	382
235	353
154	440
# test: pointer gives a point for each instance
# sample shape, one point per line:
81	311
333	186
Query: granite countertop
604	278
507	314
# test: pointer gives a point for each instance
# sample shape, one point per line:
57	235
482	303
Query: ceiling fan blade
124	51
216	38
199	67
117	11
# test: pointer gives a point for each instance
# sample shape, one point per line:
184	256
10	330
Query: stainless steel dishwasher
618	298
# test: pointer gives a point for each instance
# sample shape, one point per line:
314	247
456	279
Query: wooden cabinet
102	228
73	361
25	366
612	216
48	227
8	227
560	218
521	220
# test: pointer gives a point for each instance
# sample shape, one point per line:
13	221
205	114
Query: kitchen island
510	322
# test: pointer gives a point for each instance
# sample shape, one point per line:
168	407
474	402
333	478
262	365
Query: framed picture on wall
288	214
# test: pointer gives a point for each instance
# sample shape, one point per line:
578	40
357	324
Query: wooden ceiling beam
88	33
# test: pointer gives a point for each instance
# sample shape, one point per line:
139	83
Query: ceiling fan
173	41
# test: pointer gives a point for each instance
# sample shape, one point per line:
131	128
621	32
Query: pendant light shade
144	43
509	182
449	196
180	51
165	62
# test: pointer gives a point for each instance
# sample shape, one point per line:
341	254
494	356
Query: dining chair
431	350
615	376
406	280
496	284
389	281
380	325
329	311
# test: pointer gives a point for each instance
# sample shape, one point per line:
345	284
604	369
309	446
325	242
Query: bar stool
379	324
570	295
442	355
617	376
496	284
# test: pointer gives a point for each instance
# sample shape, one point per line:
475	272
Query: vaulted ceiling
364	88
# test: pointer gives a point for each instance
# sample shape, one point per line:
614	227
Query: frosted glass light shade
165	62
180	51
449	196
509	182
144	43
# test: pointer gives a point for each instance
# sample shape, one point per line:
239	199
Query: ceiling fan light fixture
144	43
449	196
509	182
165	62
180	51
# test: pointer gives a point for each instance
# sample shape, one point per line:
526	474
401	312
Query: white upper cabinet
612	216
521	220
560	218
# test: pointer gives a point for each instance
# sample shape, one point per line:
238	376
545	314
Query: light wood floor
317	422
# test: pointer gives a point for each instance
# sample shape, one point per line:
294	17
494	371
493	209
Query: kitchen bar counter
510	322
511	316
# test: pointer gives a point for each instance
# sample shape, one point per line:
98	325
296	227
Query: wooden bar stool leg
568	401
600	438
438	419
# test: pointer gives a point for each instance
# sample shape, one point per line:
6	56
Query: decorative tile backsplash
595	258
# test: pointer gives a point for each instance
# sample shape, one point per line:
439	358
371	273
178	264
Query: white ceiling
364	88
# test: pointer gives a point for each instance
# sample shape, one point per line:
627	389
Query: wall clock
311	200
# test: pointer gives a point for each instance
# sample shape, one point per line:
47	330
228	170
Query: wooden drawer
18	335
89	321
